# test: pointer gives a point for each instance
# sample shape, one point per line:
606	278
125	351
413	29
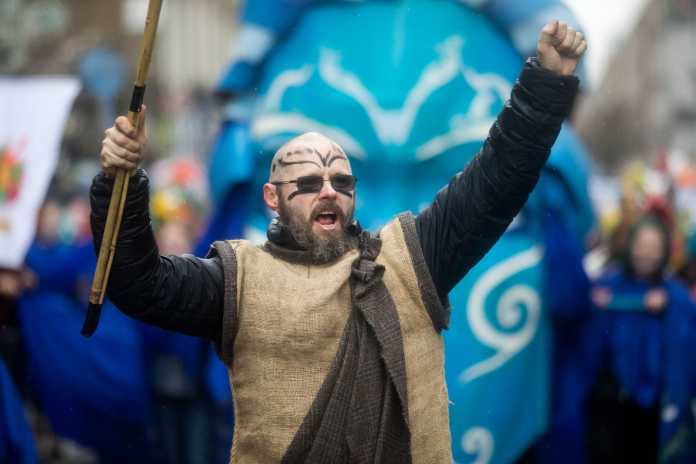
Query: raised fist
560	47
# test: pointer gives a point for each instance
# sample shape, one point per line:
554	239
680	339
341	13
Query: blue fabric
238	77
61	268
652	358
573	353
567	291
231	159
563	187
228	218
94	390
274	15
277	17
186	351
176	368
16	439
411	110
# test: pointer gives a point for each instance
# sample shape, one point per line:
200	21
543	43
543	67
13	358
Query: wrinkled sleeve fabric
471	213
180	293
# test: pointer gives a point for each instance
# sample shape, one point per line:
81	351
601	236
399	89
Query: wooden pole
120	189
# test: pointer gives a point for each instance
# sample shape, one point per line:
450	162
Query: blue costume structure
409	89
651	357
16	440
95	391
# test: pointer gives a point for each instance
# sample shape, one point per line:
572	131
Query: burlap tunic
282	327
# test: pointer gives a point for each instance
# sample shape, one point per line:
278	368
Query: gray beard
319	250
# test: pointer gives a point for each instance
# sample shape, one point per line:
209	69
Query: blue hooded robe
652	356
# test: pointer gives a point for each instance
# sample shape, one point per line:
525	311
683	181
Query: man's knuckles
117	138
567	44
125	127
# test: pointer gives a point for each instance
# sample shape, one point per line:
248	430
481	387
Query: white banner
33	112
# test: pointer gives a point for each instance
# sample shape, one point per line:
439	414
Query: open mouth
327	220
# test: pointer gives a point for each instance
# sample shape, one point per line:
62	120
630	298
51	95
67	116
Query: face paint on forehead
337	153
316	158
299	156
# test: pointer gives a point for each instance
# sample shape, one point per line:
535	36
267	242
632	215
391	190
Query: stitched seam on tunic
439	314
229	318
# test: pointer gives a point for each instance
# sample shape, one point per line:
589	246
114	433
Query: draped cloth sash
360	414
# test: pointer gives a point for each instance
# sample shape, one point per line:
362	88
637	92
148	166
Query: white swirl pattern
393	126
509	313
479	441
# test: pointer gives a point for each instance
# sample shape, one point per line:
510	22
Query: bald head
306	150
318	209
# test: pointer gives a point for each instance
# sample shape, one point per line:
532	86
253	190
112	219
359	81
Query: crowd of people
131	393
621	297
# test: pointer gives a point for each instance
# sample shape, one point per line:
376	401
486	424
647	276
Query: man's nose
327	191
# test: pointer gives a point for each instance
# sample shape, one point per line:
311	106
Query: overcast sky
606	22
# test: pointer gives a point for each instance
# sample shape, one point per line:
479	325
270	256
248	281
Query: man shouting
332	335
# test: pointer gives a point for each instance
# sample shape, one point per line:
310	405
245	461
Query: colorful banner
33	112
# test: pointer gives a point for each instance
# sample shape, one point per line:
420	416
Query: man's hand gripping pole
120	189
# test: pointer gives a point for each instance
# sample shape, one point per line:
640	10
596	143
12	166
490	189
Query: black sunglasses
344	183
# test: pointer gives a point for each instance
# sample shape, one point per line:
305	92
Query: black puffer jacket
185	293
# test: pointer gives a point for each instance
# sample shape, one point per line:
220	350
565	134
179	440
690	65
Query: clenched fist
123	145
560	47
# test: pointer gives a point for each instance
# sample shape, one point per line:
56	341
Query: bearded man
332	335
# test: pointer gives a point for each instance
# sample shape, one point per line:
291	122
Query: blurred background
585	353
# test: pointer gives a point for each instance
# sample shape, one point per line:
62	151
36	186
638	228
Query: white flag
33	112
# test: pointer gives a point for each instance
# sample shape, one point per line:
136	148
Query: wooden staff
120	190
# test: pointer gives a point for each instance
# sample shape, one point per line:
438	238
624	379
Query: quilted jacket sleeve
180	293
469	214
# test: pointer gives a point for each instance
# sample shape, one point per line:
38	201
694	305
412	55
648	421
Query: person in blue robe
16	439
176	364
93	392
340	68
573	352
644	405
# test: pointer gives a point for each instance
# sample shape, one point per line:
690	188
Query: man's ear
270	196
